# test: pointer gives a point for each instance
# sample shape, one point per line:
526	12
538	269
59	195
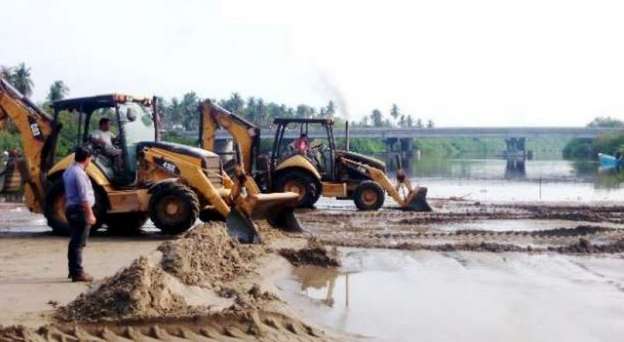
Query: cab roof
282	121
91	103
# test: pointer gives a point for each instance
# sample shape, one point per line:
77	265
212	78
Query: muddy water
407	296
466	296
492	180
519	190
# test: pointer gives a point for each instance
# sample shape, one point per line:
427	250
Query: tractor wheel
368	196
173	207
54	209
299	182
125	223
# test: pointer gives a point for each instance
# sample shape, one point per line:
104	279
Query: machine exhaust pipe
347	136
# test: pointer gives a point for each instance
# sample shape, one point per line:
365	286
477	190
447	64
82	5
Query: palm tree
58	91
6	73
22	80
394	111
377	118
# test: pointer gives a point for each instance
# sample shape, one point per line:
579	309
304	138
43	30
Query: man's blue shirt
78	188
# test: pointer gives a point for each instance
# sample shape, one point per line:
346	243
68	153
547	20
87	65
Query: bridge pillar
516	148
401	145
391	144
407	146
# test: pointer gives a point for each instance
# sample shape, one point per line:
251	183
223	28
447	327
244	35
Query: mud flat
474	226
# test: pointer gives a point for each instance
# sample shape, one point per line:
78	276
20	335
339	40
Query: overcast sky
458	62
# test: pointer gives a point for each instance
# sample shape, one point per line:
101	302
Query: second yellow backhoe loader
323	170
172	184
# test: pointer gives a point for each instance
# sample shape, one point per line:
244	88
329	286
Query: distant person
79	202
104	138
301	145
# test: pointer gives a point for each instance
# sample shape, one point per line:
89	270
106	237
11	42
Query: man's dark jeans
79	234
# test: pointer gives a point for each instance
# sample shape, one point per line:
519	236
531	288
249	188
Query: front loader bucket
241	227
417	200
278	209
285	220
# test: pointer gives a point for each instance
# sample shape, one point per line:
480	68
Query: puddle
516	225
406	296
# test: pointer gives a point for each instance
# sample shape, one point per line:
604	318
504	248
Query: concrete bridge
446	132
401	139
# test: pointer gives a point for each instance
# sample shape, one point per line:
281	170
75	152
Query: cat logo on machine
34	128
167	166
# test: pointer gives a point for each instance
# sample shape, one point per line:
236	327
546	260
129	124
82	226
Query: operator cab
321	150
322	153
131	122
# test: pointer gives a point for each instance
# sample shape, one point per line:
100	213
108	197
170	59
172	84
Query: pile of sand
138	290
159	285
207	256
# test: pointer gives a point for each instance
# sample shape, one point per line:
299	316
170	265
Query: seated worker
301	145
103	137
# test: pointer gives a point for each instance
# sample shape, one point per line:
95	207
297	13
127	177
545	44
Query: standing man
79	201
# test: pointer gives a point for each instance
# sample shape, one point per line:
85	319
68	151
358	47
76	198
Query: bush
9	140
609	143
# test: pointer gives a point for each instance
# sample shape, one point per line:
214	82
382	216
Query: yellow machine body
162	169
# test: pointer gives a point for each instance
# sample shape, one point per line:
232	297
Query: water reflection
481	168
515	169
321	281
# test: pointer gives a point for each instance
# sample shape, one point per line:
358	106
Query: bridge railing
445	132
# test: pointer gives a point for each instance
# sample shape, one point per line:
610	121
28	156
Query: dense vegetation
607	143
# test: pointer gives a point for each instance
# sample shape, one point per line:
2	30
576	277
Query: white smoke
329	87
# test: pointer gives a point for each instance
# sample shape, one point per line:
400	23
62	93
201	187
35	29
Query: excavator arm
277	207
38	132
244	133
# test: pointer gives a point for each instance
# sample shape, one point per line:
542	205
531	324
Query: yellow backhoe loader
323	170
169	183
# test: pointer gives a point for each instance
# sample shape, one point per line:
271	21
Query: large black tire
173	207
125	223
369	196
54	208
301	182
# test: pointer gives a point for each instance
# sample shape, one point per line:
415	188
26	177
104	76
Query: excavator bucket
241	227
417	200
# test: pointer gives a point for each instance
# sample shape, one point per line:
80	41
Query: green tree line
609	143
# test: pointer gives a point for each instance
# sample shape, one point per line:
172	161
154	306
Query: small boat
608	161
